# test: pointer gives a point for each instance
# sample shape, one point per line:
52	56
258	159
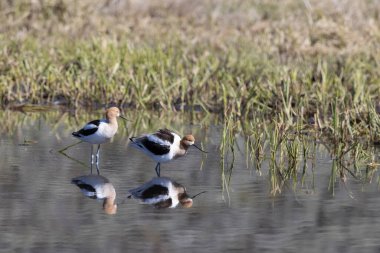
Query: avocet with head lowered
164	146
162	192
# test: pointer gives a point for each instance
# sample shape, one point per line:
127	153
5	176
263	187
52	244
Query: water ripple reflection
98	187
42	211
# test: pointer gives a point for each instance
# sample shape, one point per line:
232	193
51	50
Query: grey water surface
41	211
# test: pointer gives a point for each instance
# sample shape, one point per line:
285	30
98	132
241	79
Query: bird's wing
165	135
155	145
88	129
87	189
90	185
153	188
154	191
164	203
160	139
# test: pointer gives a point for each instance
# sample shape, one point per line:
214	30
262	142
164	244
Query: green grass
287	74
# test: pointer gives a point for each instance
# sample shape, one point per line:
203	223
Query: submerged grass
287	156
286	76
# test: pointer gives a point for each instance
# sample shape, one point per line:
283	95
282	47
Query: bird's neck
112	121
182	149
109	205
183	146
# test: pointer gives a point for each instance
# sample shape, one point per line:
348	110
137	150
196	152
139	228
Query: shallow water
42	211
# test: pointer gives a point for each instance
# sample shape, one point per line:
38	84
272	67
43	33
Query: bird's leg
97	155
97	169
158	169
97	159
92	157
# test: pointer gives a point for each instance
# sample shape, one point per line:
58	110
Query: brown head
112	112
185	200
189	140
187	203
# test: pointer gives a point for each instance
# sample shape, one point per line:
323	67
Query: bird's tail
136	193
75	181
135	143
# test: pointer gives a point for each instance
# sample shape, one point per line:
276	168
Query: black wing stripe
154	191
165	134
86	187
94	122
154	147
87	132
164	204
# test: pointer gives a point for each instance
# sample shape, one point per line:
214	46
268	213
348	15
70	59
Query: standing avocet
163	146
162	192
98	187
99	132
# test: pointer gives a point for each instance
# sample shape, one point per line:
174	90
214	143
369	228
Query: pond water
42	211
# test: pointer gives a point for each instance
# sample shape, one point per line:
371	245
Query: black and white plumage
162	192
93	132
97	187
163	146
99	132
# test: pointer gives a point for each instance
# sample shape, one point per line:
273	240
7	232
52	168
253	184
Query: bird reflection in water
98	187
162	192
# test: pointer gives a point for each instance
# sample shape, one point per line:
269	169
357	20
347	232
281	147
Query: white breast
175	146
173	150
104	134
173	194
